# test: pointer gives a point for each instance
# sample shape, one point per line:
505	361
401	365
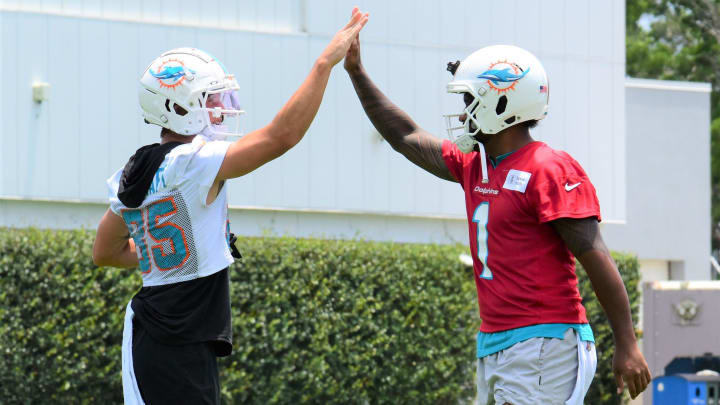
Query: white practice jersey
177	236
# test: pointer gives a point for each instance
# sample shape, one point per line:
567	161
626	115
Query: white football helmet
508	85
188	92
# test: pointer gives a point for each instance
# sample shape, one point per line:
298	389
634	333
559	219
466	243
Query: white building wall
255	15
92	54
668	178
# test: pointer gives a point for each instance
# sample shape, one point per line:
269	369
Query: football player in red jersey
168	216
530	209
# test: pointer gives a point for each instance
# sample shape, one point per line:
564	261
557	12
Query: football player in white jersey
168	216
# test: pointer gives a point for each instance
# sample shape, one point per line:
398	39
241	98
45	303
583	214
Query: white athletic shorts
131	392
538	371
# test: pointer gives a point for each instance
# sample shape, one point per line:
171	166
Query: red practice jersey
524	272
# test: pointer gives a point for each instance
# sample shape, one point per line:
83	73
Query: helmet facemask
464	136
221	107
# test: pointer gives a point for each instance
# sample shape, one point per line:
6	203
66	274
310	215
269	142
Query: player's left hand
630	368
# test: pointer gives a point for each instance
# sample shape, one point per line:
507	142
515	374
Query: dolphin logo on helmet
497	75
502	76
170	72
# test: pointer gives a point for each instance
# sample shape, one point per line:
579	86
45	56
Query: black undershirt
188	312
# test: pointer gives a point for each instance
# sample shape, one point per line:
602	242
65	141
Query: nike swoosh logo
569	187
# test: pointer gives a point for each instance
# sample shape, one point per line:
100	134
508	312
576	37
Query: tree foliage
680	40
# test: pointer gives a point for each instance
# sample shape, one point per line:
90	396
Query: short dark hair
530	124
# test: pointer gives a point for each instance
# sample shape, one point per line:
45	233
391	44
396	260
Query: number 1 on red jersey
480	217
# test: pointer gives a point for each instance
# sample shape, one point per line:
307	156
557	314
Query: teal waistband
489	343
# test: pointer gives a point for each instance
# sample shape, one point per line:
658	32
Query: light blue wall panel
323	144
94	152
478	26
668	209
212	42
617	203
32	129
451	25
76	7
210	12
295	165
400	26
576	112
287	17
401	89
239	57
337	12
377	152
266	103
379	29
155	11
427	114
601	41
552	129
317	13
147	51
246	14
65	116
577	28
351	162
263	15
426	30
109	7
9	161
552	36
342	164
501	16
181	37
529	26
429	80
2	168
124	112
600	136
618	32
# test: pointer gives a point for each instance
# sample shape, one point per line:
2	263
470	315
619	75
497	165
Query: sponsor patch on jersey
517	180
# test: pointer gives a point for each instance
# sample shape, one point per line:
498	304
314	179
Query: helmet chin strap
466	143
209	133
483	160
469	124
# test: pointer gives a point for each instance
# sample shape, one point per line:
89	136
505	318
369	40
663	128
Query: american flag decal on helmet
543	89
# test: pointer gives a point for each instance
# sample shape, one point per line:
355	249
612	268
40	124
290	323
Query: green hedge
314	321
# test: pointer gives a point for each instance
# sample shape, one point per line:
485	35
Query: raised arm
401	132
583	238
290	124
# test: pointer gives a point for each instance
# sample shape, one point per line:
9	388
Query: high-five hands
352	59
339	45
